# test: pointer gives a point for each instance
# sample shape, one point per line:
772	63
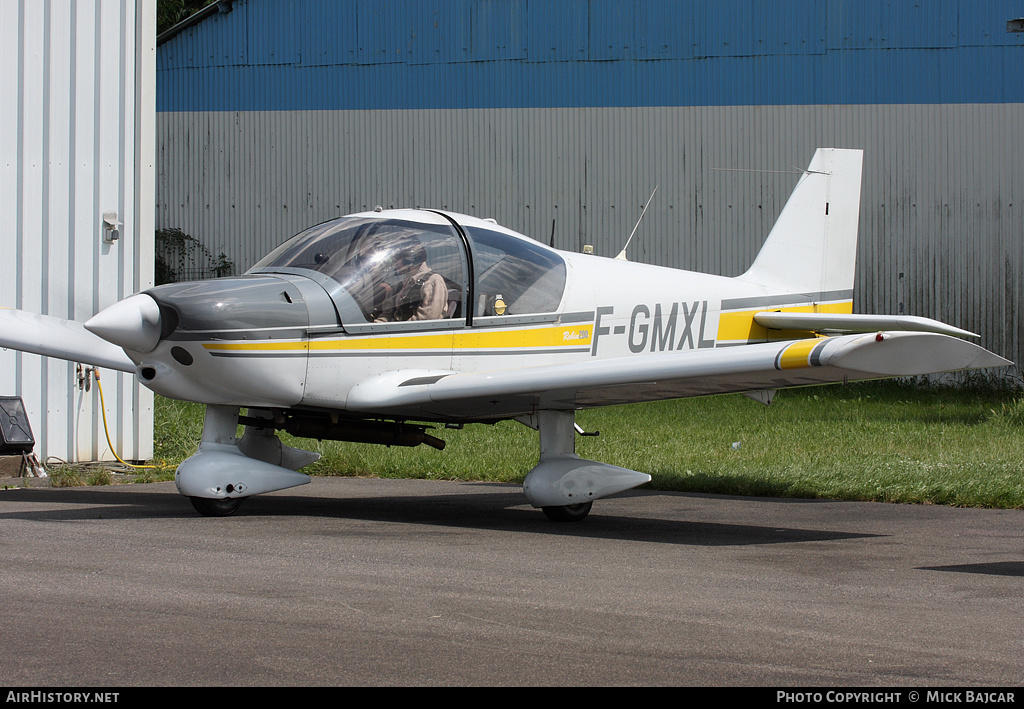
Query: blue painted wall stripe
273	55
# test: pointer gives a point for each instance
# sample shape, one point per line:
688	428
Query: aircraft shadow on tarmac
998	568
490	510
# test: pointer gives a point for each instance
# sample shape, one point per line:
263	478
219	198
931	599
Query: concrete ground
410	582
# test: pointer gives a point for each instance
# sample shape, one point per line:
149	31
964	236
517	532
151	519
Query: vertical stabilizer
813	246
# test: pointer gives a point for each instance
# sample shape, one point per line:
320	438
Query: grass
82	474
888	441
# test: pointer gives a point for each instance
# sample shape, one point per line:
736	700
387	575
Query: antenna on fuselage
622	254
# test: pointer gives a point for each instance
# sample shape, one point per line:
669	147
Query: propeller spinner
132	323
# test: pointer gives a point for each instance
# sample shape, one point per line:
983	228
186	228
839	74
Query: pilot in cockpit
421	294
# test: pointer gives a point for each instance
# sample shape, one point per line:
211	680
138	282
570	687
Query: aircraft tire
568	513
208	507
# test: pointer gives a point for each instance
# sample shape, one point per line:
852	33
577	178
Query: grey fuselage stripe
789	299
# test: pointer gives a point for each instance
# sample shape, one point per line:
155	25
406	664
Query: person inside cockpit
421	294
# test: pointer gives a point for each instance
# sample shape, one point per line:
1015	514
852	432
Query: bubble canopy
380	269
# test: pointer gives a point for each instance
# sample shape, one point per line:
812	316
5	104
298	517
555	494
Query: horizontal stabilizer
855	323
54	337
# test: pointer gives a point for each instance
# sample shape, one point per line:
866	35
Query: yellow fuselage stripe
560	336
740	325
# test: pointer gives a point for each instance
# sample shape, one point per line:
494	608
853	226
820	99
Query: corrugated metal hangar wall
77	124
560	118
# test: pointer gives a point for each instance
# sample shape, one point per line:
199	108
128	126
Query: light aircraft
373	326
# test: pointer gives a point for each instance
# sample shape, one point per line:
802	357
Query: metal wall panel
557	32
984	23
318	55
219	43
874	25
326	34
273	33
72	133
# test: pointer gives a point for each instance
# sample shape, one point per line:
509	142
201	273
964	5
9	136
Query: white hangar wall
77	124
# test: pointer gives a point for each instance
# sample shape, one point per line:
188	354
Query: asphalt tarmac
410	582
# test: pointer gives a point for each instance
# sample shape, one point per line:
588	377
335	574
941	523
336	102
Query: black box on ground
15	432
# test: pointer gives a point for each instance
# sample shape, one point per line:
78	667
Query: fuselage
312	320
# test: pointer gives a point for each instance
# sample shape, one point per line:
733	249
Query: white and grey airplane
373	326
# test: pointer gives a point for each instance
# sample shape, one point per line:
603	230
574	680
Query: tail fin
813	246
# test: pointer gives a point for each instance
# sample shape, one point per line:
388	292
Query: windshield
380	270
393	270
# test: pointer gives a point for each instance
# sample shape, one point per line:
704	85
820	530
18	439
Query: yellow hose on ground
103	410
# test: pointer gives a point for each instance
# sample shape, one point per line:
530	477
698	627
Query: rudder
812	248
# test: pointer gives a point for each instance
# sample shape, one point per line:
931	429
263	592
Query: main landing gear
226	470
209	507
562	484
568	513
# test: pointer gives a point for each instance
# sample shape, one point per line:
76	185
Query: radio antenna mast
622	254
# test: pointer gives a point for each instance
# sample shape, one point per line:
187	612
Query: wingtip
896	354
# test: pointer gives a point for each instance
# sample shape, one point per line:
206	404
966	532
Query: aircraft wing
776	365
55	337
